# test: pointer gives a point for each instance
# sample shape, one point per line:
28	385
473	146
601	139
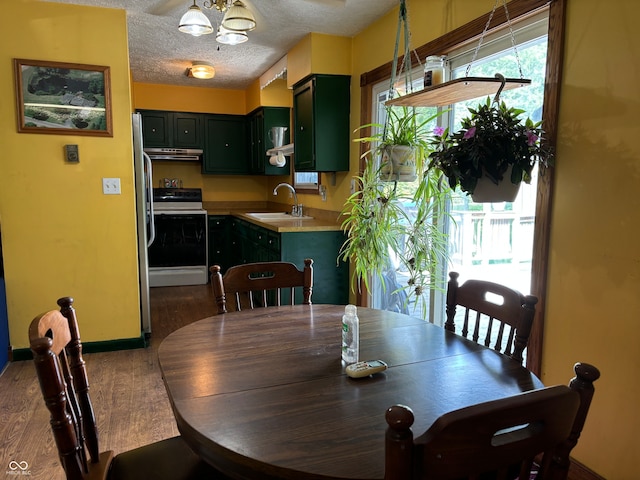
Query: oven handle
149	188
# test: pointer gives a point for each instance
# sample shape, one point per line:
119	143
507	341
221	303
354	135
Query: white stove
178	255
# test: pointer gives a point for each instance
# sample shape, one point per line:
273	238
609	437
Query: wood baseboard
578	471
20	354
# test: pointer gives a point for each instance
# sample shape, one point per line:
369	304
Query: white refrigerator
144	215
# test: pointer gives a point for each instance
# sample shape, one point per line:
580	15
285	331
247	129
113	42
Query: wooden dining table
263	393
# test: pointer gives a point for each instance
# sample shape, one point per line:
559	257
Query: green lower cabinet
331	279
219	248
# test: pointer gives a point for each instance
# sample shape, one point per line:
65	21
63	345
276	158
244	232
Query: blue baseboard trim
91	347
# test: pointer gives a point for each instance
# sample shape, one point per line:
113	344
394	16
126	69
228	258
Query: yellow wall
189	99
61	236
594	283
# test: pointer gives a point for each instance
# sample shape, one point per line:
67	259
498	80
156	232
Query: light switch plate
111	186
71	154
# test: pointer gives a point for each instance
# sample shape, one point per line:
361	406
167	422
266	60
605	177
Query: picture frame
63	98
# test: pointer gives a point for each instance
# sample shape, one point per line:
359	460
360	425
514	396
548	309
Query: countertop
321	221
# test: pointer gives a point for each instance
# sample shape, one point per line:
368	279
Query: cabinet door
226	147
258	151
187	129
218	242
321	118
303	125
156	128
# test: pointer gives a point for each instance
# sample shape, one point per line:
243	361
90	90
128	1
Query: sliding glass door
491	241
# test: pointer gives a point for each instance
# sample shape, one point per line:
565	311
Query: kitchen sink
276	216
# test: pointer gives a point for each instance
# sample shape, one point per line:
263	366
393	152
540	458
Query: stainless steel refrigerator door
144	214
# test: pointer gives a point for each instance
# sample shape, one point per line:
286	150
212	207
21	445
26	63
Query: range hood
175	154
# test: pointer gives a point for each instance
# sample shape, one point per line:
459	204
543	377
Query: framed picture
63	98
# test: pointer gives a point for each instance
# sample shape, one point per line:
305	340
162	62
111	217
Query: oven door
179	254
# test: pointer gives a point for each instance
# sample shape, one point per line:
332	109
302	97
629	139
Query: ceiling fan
164	7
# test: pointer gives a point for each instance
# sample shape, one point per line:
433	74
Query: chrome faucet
296	210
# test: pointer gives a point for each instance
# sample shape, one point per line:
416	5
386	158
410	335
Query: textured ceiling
159	53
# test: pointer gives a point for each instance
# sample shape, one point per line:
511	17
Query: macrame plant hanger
405	66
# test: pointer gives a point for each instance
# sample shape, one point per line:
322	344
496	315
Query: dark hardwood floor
129	398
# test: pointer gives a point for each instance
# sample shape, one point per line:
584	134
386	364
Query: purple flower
438	131
532	138
470	133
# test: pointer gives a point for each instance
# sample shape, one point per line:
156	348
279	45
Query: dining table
263	393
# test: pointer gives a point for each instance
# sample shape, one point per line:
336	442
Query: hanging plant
380	220
491	142
401	144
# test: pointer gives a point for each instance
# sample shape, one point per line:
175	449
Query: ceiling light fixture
229	37
194	22
238	18
201	70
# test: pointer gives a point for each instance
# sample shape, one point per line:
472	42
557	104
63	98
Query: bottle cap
350	310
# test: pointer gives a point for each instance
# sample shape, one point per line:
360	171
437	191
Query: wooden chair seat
262	284
57	349
494	315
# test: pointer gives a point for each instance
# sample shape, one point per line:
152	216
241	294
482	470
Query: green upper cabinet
226	146
156	128
262	120
172	129
321	123
187	130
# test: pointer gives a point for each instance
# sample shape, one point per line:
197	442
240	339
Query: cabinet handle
153	130
186	131
301	129
226	144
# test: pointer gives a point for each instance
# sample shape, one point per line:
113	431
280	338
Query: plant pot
487	191
398	164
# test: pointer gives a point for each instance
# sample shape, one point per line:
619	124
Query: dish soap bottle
350	334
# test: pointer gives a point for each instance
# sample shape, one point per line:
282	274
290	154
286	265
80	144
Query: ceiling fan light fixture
202	70
229	37
239	18
194	22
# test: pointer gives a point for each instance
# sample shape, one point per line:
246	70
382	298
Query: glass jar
433	70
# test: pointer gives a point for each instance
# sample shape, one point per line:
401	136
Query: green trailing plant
492	139
377	223
404	126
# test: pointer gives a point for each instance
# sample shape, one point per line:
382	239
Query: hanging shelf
455	91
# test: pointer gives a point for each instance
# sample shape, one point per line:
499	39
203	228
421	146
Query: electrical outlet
111	186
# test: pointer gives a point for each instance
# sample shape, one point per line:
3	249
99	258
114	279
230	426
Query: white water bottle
350	334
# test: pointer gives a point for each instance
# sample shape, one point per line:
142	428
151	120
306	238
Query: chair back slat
261	284
490	304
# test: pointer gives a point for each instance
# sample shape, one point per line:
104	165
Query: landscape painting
63	98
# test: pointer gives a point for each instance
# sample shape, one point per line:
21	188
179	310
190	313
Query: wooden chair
497	439
492	303
57	350
261	284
